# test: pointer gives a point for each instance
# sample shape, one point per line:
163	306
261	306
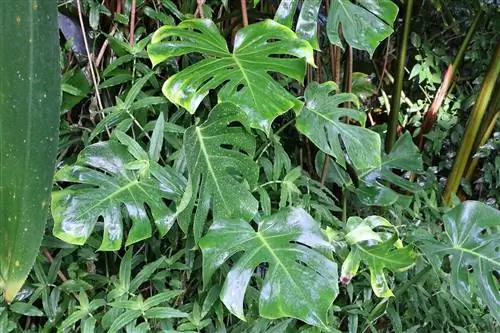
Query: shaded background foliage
119	131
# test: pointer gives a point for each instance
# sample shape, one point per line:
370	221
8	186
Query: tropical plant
276	206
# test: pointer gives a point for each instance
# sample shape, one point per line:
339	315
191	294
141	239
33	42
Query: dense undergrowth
229	168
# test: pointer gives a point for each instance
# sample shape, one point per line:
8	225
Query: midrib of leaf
240	66
109	197
209	165
460	249
277	259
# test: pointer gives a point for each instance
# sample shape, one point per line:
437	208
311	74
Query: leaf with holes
243	75
107	179
471	240
300	281
373	188
375	242
321	121
364	24
219	157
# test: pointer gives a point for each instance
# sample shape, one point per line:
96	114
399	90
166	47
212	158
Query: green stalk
487	127
398	85
471	131
432	112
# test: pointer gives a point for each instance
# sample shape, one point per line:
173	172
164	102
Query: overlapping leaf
472	243
219	156
107	180
375	242
307	22
300	281
378	186
373	185
364	24
243	75
321	121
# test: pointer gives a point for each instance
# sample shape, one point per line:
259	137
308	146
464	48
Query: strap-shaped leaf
375	242
106	181
219	156
243	75
300	282
364	24
321	121
471	240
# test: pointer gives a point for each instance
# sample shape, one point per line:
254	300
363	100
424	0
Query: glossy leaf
375	242
30	93
219	157
243	75
108	179
364	24
300	281
307	22
471	242
373	184
321	120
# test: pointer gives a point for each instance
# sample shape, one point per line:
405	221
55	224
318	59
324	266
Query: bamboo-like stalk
487	127
431	114
471	131
398	85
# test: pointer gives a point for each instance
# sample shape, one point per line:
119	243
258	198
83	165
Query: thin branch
244	12
132	23
93	70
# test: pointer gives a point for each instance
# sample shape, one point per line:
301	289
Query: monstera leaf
300	282
321	121
375	242
364	24
373	186
471	242
306	23
377	186
243	75
109	179
219	156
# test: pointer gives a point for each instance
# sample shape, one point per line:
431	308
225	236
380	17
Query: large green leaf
321	121
377	186
364	24
375	242
300	281
243	74
110	179
30	95
307	21
219	157
374	188
471	241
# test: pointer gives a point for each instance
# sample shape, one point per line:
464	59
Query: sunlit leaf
375	242
219	156
471	242
364	24
243	75
104	187
300	281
